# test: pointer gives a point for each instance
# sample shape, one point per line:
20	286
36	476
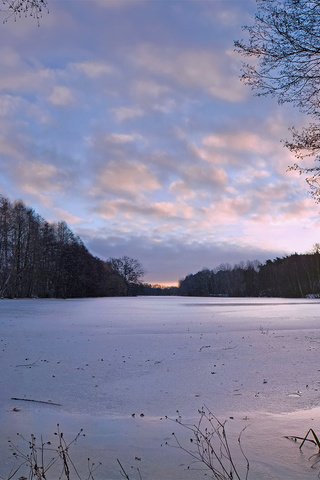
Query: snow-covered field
103	360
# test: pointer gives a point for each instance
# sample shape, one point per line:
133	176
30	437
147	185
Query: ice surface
256	360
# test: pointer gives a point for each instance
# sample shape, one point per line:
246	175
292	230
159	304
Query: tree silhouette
129	268
38	259
284	43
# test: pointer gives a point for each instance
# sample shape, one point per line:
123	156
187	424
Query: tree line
296	275
39	259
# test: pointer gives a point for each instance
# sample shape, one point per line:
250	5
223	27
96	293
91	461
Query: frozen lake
102	360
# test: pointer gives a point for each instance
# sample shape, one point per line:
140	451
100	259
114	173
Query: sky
127	119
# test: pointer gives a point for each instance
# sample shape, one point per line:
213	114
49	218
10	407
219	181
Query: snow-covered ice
103	360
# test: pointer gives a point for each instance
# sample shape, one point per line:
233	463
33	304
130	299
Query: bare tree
129	268
284	43
23	8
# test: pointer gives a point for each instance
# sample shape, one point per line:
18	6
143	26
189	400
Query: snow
256	360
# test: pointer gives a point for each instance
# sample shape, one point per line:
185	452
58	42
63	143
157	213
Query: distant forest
40	259
291	276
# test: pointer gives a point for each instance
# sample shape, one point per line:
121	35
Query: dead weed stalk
315	441
37	458
209	447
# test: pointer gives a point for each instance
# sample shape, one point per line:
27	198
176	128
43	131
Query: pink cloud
126	178
138	211
240	141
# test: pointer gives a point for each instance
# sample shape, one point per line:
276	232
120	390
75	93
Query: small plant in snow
209	448
42	460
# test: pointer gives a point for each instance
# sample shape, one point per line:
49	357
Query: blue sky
127	119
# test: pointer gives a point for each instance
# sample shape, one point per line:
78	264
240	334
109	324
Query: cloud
66	216
20	76
61	96
94	69
159	210
125	178
227	14
164	155
29	170
245	141
123	138
200	70
205	176
147	88
117	4
127	113
9	105
11	147
229	17
227	211
182	191
37	177
35	180
15	106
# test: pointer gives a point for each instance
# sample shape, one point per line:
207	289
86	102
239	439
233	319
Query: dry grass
208	448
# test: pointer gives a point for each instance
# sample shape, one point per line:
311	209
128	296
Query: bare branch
23	8
283	46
